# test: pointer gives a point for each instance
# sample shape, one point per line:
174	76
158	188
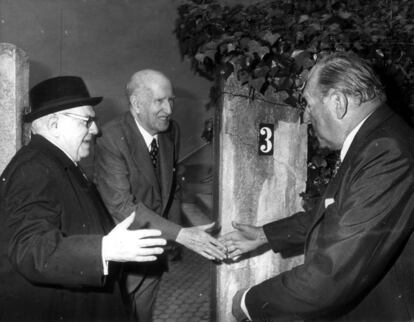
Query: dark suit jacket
358	243
126	179
52	221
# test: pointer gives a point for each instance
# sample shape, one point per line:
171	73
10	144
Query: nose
94	128
168	106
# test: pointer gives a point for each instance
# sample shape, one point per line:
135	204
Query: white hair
140	81
39	126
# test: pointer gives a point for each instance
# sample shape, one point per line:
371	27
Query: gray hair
139	83
351	75
39	125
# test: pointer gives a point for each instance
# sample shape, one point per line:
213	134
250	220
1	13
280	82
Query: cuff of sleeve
280	234
104	262
243	305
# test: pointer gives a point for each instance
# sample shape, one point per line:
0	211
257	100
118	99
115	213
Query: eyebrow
169	96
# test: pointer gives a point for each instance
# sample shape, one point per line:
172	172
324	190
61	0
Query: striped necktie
154	153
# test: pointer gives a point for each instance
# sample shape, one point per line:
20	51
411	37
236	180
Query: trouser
142	299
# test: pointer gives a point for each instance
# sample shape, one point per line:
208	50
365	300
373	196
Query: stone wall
252	188
14	83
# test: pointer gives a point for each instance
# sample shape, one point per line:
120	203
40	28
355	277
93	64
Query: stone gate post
14	87
253	188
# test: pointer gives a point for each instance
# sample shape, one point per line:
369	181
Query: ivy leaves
271	45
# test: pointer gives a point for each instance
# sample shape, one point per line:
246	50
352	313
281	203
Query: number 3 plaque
266	138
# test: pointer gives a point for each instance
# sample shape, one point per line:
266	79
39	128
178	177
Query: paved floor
185	291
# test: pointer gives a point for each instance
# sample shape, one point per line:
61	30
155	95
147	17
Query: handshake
243	239
143	245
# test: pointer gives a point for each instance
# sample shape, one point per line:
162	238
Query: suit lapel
373	121
139	150
329	193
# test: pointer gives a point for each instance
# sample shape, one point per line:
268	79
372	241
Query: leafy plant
271	46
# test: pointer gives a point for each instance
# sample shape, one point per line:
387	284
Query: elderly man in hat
58	244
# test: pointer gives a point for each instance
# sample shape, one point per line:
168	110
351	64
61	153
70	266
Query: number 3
267	135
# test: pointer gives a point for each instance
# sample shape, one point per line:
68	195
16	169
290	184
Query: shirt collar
350	137
147	137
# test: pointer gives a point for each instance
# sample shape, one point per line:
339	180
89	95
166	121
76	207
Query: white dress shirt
147	137
350	137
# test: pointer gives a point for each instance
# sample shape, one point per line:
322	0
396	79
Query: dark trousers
142	298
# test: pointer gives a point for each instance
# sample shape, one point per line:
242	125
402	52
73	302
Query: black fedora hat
57	94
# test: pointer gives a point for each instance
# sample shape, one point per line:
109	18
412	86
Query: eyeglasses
87	119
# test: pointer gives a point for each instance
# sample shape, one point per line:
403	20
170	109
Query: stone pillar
252	188
14	87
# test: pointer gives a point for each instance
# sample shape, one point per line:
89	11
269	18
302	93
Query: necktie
154	153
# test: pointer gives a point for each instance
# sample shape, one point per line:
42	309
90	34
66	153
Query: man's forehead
162	89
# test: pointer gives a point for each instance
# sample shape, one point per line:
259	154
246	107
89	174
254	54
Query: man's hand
244	239
236	309
123	245
197	239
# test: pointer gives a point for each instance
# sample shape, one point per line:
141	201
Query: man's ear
52	125
134	102
340	101
52	122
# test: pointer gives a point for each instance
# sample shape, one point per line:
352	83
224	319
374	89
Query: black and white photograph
206	160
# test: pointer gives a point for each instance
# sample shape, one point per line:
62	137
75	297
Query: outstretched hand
242	240
197	239
123	245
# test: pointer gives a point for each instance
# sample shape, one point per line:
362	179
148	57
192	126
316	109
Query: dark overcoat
359	241
52	221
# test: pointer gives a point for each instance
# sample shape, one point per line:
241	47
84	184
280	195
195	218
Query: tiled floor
185	291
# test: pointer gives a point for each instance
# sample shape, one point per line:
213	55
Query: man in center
135	166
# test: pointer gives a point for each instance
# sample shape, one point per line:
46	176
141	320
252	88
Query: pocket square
329	201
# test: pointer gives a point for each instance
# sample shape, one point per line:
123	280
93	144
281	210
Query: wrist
180	236
261	237
105	249
104	260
